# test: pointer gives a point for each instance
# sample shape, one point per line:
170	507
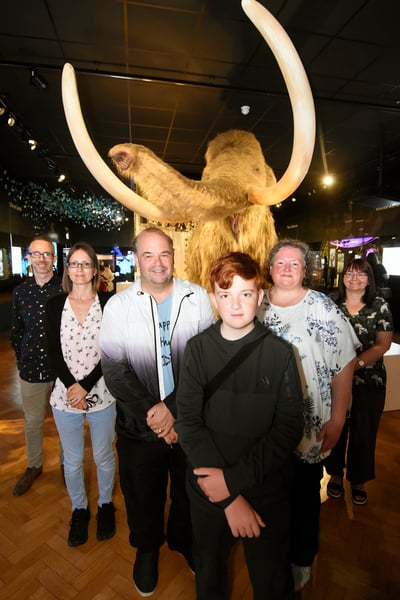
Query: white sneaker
301	576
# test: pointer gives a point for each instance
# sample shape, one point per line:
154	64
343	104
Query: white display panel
391	260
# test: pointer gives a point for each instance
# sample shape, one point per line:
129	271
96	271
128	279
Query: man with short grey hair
28	342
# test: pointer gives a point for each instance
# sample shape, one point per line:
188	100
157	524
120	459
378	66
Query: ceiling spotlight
37	79
328	180
2	111
61	178
32	143
245	109
11	120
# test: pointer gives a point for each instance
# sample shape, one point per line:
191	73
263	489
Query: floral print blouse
325	344
80	348
366	323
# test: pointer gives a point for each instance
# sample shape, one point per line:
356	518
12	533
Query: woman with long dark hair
371	319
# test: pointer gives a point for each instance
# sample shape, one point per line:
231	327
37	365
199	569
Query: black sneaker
105	521
145	571
78	532
25	482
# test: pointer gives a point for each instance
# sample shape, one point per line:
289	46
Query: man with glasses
28	342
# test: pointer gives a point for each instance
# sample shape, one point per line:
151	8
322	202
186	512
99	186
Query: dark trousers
267	557
359	436
305	508
144	470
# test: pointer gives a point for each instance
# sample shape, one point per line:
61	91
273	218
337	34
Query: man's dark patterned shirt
28	328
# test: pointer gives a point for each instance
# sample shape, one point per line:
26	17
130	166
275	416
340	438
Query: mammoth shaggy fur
218	203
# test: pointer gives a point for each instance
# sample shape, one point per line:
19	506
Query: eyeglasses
74	264
37	254
355	275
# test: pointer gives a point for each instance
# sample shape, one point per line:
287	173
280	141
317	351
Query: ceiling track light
37	80
51	165
27	138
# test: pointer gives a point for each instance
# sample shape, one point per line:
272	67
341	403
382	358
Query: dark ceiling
171	74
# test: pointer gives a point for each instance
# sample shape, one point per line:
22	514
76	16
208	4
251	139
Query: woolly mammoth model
231	201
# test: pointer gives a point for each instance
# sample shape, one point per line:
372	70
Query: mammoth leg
254	234
209	240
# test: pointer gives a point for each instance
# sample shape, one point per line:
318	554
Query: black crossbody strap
245	351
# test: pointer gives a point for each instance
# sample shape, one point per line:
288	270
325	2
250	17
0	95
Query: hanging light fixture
37	80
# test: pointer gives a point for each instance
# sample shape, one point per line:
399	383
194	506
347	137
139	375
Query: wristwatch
361	363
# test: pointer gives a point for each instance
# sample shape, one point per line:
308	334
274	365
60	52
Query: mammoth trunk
180	198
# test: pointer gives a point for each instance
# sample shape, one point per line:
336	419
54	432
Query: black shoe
145	571
25	482
78	532
334	490
358	496
105	521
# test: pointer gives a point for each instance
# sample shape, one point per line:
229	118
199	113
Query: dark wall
327	216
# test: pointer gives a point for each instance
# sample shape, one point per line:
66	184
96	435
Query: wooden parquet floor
359	556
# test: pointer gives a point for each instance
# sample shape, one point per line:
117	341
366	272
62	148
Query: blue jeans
102	432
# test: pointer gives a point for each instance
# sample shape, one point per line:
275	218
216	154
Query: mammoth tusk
302	106
92	159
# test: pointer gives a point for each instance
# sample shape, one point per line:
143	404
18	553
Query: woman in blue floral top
325	344
372	321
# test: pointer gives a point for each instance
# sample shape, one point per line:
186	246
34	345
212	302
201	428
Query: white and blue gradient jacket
131	349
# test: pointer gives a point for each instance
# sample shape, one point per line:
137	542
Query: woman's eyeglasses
355	275
74	264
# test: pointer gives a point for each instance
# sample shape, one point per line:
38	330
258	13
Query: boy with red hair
240	416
